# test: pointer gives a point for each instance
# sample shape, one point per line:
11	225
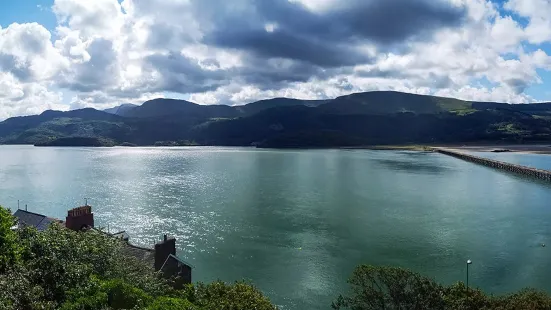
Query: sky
70	54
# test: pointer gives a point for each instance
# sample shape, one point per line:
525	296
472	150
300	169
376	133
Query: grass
451	104
464	112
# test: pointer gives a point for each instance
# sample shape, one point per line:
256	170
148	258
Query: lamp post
468	263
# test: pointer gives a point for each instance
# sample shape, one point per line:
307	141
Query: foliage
62	269
9	247
392	288
176	143
77	141
528	299
166	303
397	288
221	296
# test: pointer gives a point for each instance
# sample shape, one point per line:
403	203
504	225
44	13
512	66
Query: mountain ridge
359	118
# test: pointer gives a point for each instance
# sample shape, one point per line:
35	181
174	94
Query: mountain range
380	117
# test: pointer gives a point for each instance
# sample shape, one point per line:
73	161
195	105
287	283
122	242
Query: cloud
17	98
107	52
283	29
100	71
178	73
89	18
27	52
538	29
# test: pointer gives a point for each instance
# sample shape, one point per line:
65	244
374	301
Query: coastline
542	149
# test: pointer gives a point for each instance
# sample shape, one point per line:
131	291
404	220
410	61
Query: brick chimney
79	218
163	249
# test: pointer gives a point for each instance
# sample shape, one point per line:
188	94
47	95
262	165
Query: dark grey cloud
164	35
21	70
517	85
279	73
433	80
183	75
99	72
285	44
327	39
283	41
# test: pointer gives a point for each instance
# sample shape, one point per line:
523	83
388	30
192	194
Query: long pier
508	167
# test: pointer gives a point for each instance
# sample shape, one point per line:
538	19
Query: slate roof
176	260
39	221
144	254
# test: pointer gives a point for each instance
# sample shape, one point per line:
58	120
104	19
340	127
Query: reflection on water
297	222
411	166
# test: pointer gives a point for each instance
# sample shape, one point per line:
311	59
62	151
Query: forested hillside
352	120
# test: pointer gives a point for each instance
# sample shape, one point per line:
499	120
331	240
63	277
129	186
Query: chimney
162	250
79	218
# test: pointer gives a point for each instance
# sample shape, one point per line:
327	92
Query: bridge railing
518	169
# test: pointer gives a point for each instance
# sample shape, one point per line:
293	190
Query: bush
397	288
168	303
390	288
9	247
221	296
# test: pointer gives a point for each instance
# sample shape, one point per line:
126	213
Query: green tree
528	299
169	303
10	249
222	296
397	288
390	288
459	296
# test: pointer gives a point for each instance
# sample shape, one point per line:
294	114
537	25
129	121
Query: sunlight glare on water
296	223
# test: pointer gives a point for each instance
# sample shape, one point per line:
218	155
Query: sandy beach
518	148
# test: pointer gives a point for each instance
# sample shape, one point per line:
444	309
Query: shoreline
541	149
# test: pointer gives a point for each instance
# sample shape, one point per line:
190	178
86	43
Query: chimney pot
80	217
163	249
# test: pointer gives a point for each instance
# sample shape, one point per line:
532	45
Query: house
162	257
26	218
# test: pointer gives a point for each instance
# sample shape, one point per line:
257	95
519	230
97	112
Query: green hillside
386	102
356	119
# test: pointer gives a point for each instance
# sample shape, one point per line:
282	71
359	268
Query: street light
468	263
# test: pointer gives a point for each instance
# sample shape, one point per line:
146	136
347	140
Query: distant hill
255	107
180	108
388	102
121	110
357	119
56	124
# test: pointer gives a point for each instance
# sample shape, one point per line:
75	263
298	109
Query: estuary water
296	223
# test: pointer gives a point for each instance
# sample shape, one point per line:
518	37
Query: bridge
508	167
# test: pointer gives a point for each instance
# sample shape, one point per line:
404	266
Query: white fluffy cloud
538	12
106	52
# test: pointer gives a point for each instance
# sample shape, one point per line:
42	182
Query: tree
168	303
10	249
390	288
222	296
397	288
